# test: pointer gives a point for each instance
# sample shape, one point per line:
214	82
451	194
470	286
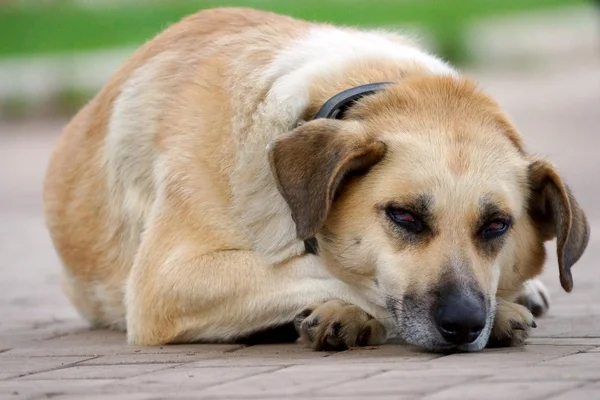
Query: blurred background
54	54
539	58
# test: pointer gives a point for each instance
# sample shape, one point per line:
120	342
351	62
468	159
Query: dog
246	171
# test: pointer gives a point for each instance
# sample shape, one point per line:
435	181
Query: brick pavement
46	351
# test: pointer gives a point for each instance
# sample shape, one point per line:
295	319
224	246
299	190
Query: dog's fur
178	199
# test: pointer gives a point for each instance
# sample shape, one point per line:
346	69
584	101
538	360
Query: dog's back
99	186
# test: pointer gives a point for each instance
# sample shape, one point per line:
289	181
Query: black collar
335	108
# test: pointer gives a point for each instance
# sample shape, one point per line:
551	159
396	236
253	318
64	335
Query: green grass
40	29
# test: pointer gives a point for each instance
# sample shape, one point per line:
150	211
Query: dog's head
424	197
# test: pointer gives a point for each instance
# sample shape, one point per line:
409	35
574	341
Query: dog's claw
518	326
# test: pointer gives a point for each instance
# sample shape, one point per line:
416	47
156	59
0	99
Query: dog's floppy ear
557	214
310	162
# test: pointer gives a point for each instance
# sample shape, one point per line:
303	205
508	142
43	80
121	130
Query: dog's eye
495	228
405	219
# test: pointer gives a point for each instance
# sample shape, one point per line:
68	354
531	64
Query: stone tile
406	382
19	390
188	349
165	358
114	396
542	373
97	372
84	337
564	341
31	333
184	379
11	366
584	392
502	390
268	355
396	396
596	350
293	354
9	340
80	342
95	343
293	380
587	360
568	325
195	396
508	357
289	351
89	351
383	354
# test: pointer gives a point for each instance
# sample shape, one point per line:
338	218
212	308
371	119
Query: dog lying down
244	171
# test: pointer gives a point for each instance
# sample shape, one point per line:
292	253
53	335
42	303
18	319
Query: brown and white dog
183	198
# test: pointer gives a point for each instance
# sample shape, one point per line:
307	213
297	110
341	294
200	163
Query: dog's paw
512	324
335	325
535	297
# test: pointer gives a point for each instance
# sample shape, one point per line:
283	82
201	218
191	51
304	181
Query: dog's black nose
460	317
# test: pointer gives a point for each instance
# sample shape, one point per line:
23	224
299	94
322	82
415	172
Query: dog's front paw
511	325
535	297
336	325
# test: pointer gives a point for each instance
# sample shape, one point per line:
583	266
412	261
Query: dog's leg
535	297
175	294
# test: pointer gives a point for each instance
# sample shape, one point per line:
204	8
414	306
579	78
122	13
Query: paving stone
92	349
291	381
289	351
107	396
292	354
166	358
564	341
596	350
407	382
509	357
196	396
96	372
94	343
11	366
267	355
115	396
316	397
502	390
588	360
542	373
563	324
28	333
183	379
21	390
383	354
584	392
9	340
